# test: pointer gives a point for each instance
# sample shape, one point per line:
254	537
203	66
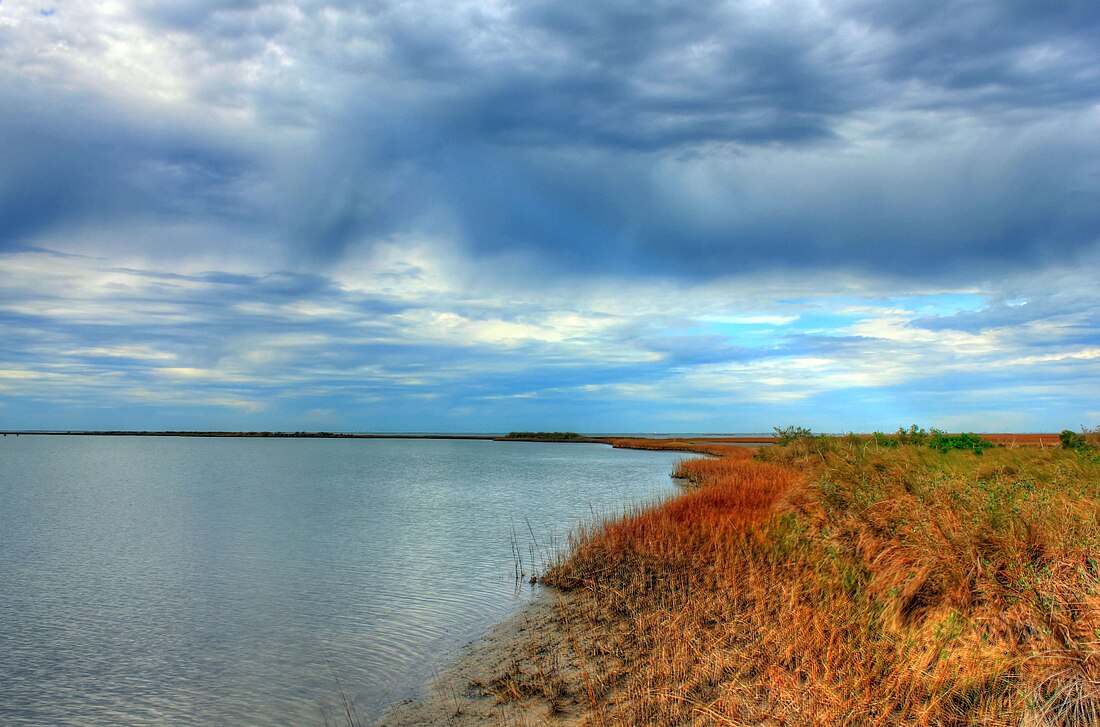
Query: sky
598	216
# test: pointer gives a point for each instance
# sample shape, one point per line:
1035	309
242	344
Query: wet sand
470	690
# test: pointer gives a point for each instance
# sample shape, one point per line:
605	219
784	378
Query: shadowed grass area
836	581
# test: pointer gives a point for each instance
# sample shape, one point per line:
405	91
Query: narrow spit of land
829	581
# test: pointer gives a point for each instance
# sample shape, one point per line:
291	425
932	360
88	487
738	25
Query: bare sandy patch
519	674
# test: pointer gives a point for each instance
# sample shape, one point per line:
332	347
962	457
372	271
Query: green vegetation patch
1087	442
914	436
791	434
944	442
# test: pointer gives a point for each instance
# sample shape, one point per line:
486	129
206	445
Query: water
229	581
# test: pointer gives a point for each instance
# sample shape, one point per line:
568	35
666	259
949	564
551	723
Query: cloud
106	170
299	202
577	149
94	336
1005	55
686	139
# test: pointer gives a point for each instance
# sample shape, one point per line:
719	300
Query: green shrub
914	436
884	440
1086	443
944	442
791	434
1072	440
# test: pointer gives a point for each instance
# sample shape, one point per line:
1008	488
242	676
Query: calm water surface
226	581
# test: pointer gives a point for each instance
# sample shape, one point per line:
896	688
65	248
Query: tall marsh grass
837	582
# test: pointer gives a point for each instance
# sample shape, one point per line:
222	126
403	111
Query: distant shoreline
274	435
1003	438
608	439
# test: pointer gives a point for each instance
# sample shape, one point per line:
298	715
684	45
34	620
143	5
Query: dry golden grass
833	582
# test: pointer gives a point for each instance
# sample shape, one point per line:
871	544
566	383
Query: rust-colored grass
714	449
1025	440
835	582
699	521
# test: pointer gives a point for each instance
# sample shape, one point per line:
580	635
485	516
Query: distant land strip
533	436
280	435
1006	439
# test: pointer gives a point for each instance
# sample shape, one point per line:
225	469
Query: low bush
914	435
1088	440
944	442
791	434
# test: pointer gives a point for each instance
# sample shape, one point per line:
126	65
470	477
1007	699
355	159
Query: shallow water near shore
231	581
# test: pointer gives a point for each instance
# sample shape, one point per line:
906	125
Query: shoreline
761	595
243	435
611	440
517	673
490	681
463	693
1041	439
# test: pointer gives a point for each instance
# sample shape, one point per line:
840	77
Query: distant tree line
555	436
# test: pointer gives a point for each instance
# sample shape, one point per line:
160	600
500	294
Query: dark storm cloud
1014	54
62	166
644	78
698	140
934	141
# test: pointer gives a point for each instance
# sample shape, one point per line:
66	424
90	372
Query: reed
835	581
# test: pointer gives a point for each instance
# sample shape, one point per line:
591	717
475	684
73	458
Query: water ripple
227	581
